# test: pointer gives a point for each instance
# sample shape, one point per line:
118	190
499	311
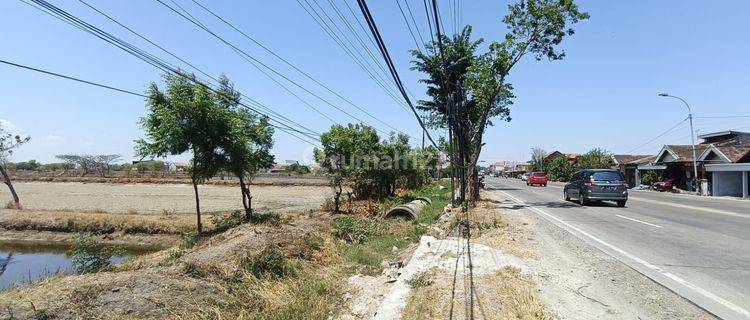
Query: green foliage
419	281
352	229
89	254
224	223
560	169
537	159
468	89
270	262
596	159
192	269
649	177
30	165
57	166
188	240
374	168
297	168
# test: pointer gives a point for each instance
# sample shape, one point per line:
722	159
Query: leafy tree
87	163
246	139
182	119
90	163
57	166
347	152
105	162
467	89
537	159
596	159
560	169
8	142
650	177
30	165
297	168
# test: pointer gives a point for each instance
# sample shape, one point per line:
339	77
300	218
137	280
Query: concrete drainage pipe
409	210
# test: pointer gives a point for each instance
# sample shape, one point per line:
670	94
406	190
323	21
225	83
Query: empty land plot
160	198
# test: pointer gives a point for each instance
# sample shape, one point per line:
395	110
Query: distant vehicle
597	185
665	185
537	178
495	174
525	177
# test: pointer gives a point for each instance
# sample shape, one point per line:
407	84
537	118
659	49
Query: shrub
352	229
192	269
89	254
189	239
269	262
225	223
421	280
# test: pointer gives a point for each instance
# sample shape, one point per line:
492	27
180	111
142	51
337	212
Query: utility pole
692	139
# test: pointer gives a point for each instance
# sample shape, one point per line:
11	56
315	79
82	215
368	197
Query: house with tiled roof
723	162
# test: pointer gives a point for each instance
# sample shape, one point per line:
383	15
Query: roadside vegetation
561	169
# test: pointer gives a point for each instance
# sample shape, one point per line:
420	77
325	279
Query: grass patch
422	280
369	241
270	262
89	254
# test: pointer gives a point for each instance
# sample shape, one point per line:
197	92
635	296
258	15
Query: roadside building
723	160
572	157
727	168
628	166
497	166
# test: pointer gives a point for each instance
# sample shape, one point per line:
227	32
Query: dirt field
160	198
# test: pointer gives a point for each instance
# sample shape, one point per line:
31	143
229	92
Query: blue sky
603	94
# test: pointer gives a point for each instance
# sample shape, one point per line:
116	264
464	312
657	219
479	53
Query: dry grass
507	294
204	282
13	205
98	221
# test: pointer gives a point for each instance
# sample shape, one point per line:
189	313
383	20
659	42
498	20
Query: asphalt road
697	247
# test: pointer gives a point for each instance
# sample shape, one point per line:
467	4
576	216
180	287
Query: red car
665	185
538	178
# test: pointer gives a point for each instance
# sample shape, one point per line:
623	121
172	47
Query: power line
659	136
394	73
416	26
408	25
721	117
73	78
374	75
257	103
132	50
109	88
287	62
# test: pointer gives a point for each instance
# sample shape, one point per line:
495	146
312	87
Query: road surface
697	247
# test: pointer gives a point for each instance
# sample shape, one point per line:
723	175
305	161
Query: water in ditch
23	263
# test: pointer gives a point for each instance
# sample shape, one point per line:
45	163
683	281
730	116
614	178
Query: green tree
246	139
183	118
347	152
467	89
30	165
297	168
596	159
560	169
537	159
8	142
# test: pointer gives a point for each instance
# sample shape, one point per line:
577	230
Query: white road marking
703	292
636	220
685	206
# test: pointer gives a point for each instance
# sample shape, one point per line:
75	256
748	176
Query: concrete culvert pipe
408	210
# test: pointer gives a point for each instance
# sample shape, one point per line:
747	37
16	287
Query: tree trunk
16	200
244	196
197	203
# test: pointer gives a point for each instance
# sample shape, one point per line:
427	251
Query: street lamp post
692	137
